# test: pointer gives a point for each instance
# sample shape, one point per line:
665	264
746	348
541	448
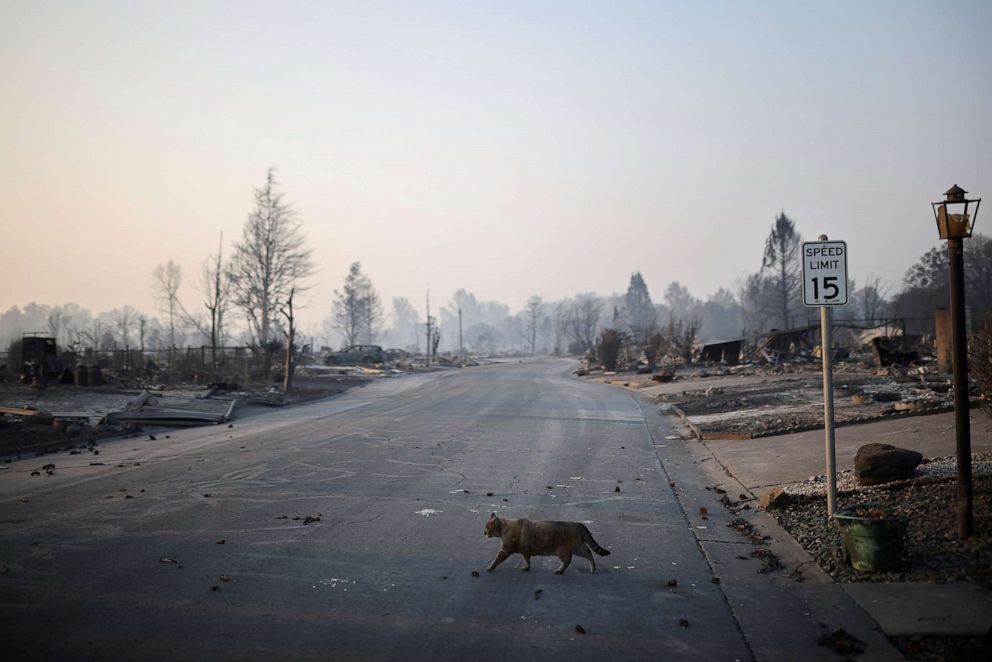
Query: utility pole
461	347
428	327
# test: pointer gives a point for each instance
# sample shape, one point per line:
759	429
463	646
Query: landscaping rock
875	464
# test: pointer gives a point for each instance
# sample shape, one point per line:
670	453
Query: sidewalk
759	464
783	613
899	608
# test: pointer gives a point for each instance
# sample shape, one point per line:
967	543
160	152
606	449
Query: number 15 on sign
824	273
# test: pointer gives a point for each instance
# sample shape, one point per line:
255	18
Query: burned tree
782	269
125	318
871	298
682	337
167	279
609	345
357	310
405	319
373	311
926	287
348	305
656	345
270	261
292	355
532	320
641	313
216	292
582	321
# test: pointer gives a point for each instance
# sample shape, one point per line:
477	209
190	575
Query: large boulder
882	463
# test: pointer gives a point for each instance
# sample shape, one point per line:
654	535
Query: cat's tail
593	545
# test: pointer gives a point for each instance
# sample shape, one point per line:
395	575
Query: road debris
580	629
769	561
683	622
166	559
144	410
840	641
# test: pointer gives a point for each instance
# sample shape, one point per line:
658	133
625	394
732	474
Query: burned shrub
610	342
656	346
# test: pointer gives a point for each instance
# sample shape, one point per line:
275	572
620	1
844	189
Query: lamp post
955	222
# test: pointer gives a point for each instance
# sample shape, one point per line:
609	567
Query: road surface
197	546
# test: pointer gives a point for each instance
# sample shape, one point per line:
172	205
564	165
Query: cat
537	538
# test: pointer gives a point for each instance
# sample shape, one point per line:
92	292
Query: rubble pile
795	404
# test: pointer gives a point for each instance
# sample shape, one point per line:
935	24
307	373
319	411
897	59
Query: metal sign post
828	408
825	285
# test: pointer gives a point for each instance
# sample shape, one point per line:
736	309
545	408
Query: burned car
356	354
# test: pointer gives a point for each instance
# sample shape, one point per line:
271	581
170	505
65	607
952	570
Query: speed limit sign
824	273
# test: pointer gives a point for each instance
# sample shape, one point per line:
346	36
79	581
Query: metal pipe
828	408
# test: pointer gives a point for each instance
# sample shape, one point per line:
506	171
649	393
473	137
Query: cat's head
494	526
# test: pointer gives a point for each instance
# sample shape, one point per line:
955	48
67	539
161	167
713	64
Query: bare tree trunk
785	299
429	337
290	365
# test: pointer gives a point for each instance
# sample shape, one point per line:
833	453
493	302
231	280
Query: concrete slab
717	381
958	609
789	458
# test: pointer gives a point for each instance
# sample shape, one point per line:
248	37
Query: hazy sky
509	148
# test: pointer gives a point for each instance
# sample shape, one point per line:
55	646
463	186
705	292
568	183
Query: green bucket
872	535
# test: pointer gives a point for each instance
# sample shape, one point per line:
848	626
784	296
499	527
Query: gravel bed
943	649
932	550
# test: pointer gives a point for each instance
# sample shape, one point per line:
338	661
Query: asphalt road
196	546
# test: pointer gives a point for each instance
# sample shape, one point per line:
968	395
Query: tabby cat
537	538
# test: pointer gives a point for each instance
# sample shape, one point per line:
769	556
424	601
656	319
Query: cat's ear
492	516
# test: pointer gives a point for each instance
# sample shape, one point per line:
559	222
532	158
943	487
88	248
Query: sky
507	148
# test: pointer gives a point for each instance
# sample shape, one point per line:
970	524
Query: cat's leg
501	556
526	566
586	553
565	556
